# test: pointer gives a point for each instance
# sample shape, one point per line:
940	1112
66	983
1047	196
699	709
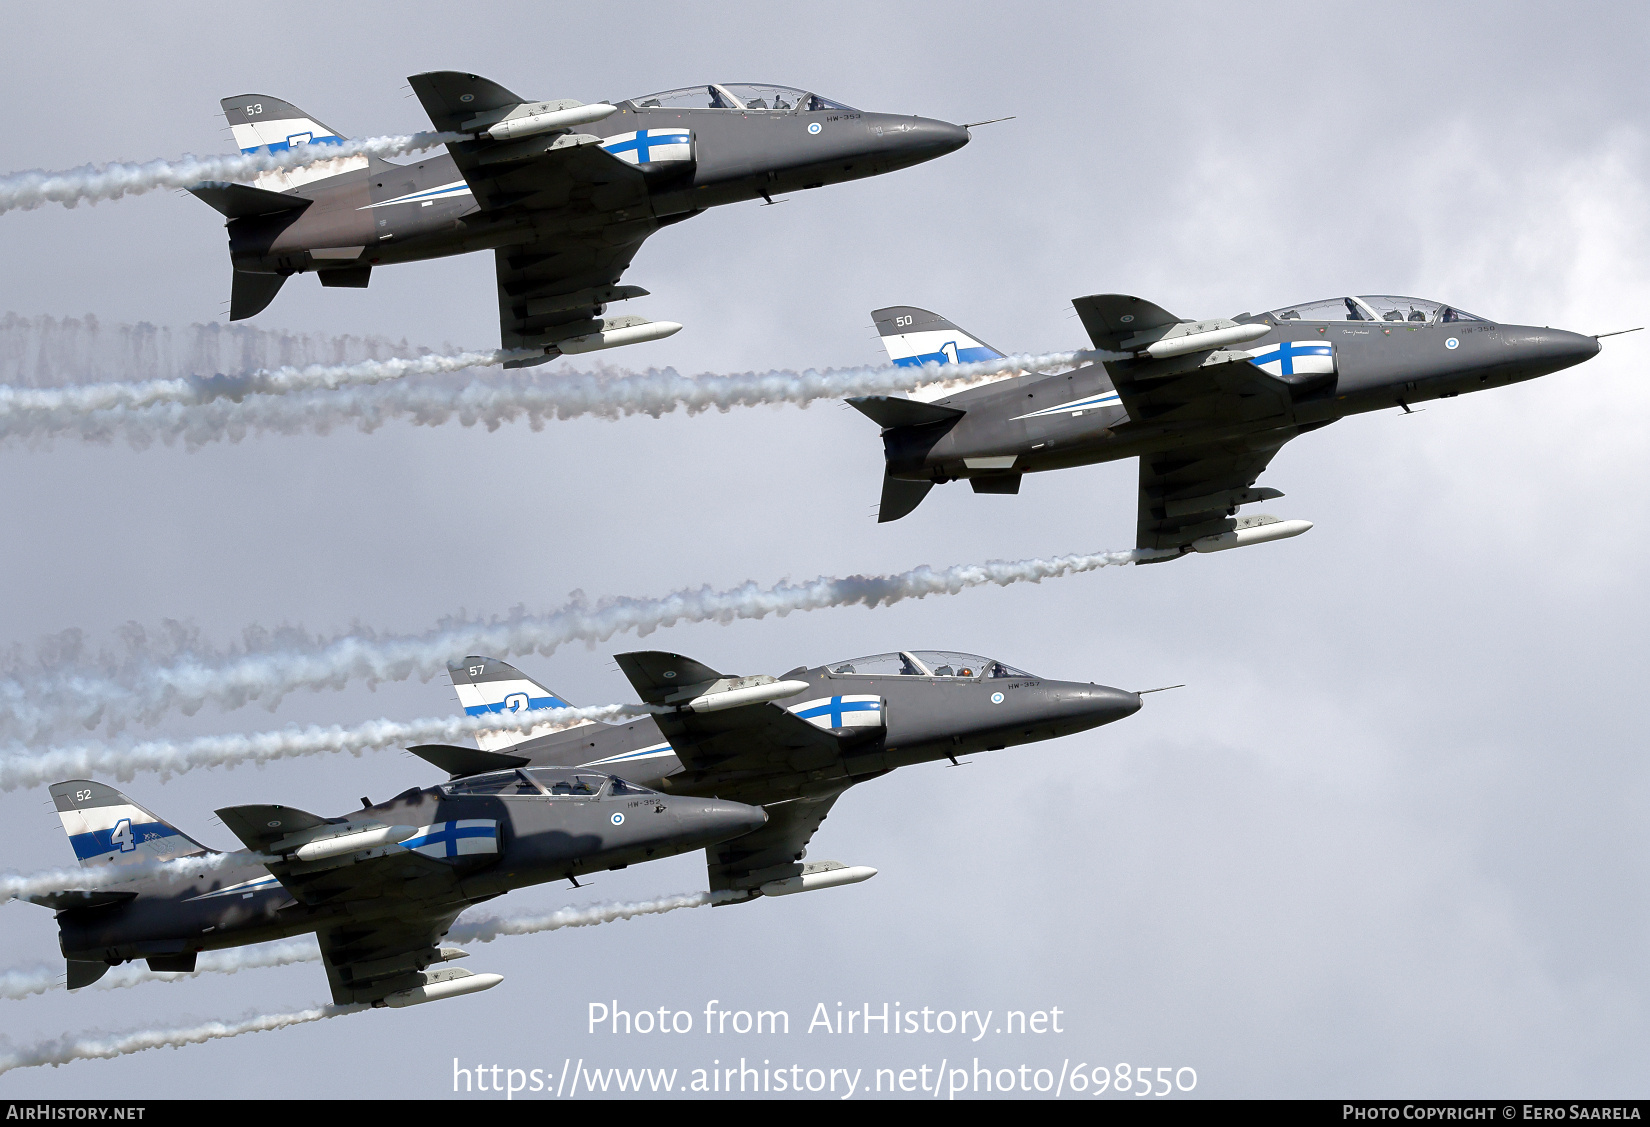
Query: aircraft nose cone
734	818
912	140
1094	705
939	137
1552	349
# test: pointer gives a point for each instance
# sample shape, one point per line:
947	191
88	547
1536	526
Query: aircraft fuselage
1075	418
511	841
407	213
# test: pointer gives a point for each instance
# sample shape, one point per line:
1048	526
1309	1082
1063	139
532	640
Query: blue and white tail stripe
841	712
937	346
506	695
1077	406
280	134
650	146
429	195
1296	358
120	832
460	838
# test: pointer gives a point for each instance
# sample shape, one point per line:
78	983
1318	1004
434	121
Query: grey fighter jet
1204	405
792	744
379	886
562	193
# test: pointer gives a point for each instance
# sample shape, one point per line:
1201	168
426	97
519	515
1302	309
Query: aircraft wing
401	901
773	852
584	213
371	959
734	746
1190	492
557	287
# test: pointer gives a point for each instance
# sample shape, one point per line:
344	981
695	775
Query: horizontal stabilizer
63	901
237	201
900	496
1112	318
461	761
888	412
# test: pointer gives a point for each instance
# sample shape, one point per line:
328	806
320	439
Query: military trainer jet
1204	405
562	193
379	886
730	737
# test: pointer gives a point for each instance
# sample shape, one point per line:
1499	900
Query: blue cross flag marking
837	707
449	834
645	139
1288	351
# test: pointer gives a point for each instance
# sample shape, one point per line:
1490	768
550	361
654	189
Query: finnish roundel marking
466	97
274	825
1452	343
618	819
996	698
1126	318
813	127
669	673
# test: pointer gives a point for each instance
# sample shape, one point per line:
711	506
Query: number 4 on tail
123	835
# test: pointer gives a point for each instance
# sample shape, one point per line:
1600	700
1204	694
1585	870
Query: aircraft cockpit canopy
552	782
745	96
927	663
1373	308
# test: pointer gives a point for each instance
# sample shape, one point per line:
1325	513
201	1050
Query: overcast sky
1388	841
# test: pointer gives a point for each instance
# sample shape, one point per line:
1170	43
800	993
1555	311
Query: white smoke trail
73	1047
16	886
24	982
141	690
20	982
91	183
200	411
174	757
44	351
489	928
39	412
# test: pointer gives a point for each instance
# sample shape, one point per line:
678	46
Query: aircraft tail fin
913	337
107	828
262	122
485	684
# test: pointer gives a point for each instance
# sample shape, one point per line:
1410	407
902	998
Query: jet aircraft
732	738
562	193
379	886
1204	405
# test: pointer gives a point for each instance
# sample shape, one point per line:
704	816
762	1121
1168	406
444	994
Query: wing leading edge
1190	494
